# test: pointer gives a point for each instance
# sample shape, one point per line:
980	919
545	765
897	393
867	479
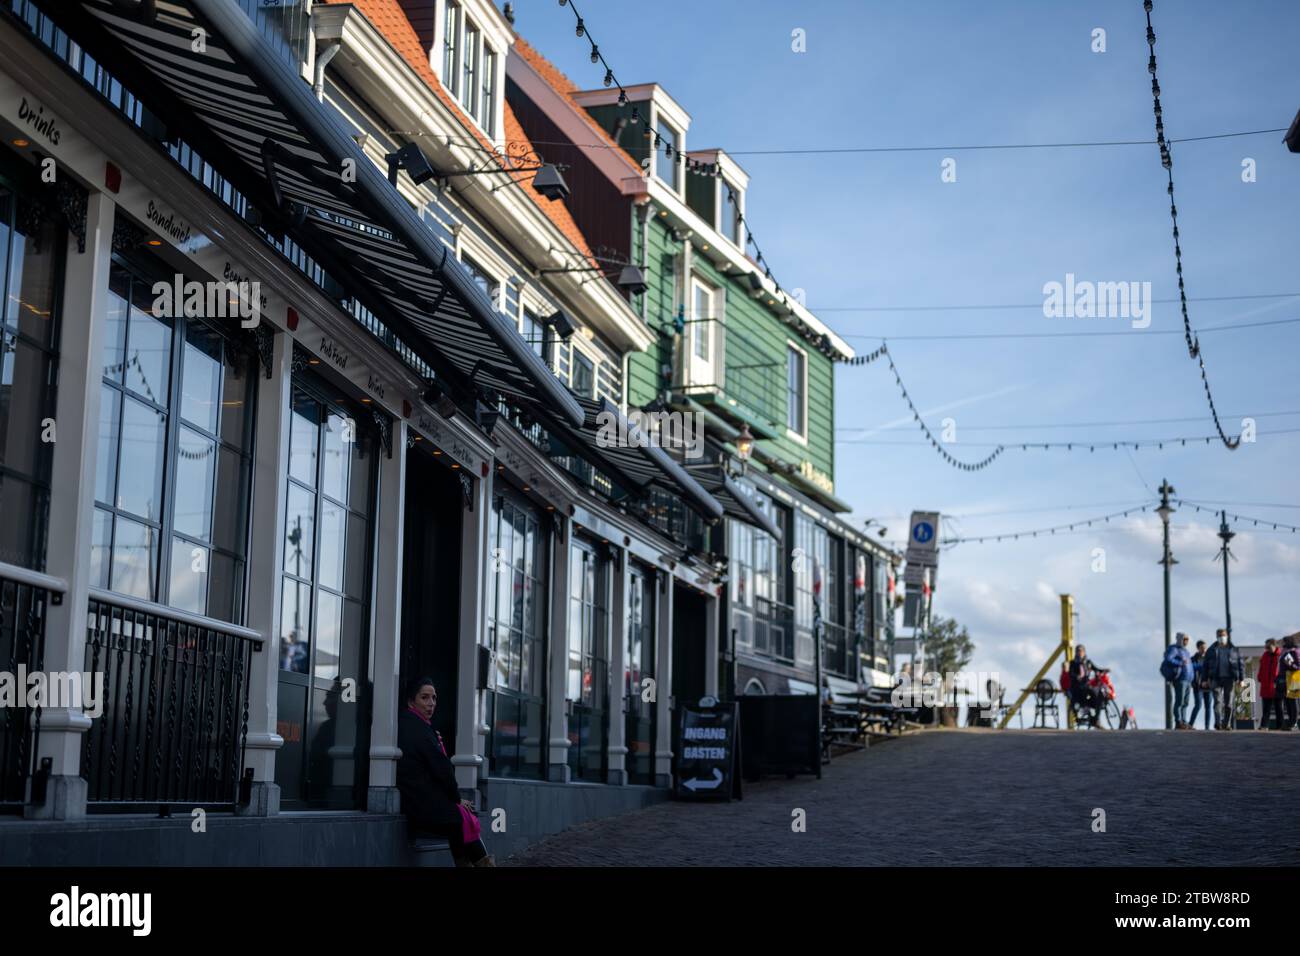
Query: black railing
836	658
774	629
175	706
23	605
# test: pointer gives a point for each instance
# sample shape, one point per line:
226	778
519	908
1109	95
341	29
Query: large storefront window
517	635
31	257
639	667
174	459
839	651
763	619
811	548
325	601
587	688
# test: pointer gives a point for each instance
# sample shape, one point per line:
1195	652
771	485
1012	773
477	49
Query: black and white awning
632	458
735	502
243	107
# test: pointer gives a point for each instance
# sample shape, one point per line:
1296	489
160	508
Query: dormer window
469	67
731	212
450	47
666	164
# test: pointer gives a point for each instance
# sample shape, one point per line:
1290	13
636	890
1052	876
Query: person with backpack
1176	669
1200	687
1272	686
1288	679
1223	668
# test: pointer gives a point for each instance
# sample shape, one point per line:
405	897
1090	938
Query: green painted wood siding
754	337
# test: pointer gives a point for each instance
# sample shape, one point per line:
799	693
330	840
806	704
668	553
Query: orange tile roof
390	20
566	88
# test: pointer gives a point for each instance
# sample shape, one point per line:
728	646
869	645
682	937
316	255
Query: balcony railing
175	705
836	658
774	629
24	599
745	378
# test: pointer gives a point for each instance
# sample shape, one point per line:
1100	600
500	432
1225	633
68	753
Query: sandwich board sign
708	751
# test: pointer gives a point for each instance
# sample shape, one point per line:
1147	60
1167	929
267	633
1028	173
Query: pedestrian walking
1272	686
1176	668
1288	666
1200	687
1223	669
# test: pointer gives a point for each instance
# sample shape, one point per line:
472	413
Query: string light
1256	522
934	442
1167	161
691	166
1034	533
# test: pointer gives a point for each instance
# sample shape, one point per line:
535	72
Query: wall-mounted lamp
411	158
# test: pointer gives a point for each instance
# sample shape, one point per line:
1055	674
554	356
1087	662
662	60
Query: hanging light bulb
595	53
668	151
636	116
622	97
609	77
580	28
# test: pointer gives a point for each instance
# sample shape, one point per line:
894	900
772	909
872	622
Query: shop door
689	608
588	674
431	558
639	682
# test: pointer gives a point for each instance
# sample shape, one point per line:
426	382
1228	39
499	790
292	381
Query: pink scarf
469	825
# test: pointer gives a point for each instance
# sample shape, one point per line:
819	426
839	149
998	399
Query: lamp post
1225	535
1167	560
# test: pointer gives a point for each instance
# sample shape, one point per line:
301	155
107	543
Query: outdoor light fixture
632	279
485	415
361	139
1292	137
744	443
440	400
563	325
411	158
550	183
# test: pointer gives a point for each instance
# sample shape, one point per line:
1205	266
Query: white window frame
578	346
801	438
679	149
727	226
469	97
530	301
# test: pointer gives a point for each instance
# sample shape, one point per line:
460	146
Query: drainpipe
322	60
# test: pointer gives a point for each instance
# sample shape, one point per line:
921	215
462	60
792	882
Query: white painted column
382	795
558	655
618	623
475	571
72	500
664	682
711	605
266	558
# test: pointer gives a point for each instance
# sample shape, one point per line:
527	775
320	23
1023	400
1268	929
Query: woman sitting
427	780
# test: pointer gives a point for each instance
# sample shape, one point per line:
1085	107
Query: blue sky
872	230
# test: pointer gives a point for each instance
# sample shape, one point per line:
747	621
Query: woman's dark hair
1288	641
412	688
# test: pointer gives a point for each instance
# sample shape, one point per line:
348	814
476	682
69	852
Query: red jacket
1268	673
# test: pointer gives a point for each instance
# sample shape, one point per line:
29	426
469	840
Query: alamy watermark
213	300
682	431
934	689
1084	299
53	689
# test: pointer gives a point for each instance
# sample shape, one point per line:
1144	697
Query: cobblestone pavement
978	798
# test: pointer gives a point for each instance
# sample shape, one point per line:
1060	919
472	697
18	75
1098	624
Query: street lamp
1164	511
744	444
1225	535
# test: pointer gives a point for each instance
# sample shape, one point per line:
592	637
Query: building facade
742	356
311	368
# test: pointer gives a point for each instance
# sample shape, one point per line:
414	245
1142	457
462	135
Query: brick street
978	798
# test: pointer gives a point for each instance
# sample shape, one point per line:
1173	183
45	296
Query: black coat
425	777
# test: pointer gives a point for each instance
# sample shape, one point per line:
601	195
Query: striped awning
246	111
633	459
735	502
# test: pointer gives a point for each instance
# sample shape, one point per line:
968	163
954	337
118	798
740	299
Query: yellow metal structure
1066	647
